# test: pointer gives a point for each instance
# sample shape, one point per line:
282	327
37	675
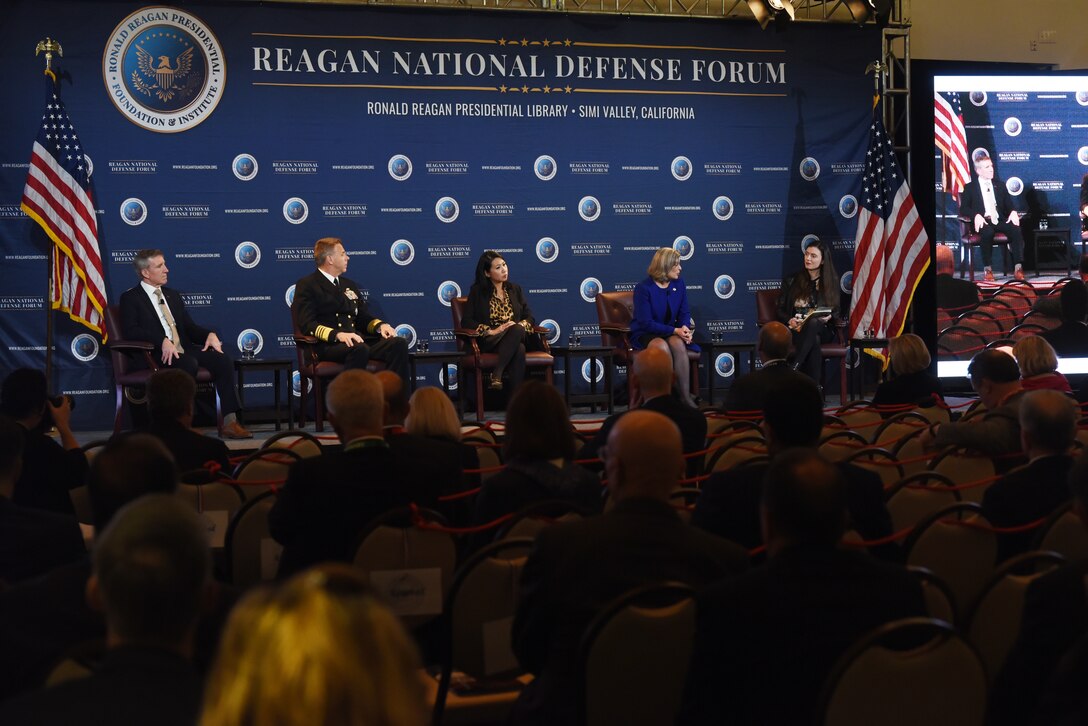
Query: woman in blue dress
662	317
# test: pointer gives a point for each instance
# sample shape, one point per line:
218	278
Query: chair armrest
466	333
615	329
130	346
306	340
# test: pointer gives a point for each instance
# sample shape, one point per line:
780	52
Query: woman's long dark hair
828	289
483	266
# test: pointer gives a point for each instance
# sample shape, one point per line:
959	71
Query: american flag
951	139
891	246
57	196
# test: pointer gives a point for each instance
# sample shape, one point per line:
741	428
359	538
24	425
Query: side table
1062	233
593	353
275	365
416	357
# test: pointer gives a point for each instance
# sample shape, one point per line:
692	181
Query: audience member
996	379
49	469
45	617
318	650
431	415
747	394
653	375
1070	339
327	500
577	568
792	416
1039	365
913	383
539	455
170	396
954	295
1054	618
151	577
1048	426
32	541
766	641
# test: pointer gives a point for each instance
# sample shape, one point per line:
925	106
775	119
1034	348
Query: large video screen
1010	160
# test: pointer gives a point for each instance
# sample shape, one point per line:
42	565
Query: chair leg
117	411
842	380
479	394
303	388
694	376
971	261
319	404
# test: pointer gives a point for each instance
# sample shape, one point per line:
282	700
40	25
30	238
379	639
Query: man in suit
766	641
32	541
654	375
576	568
327	500
152	572
170	395
954	295
792	417
988	207
1048	427
156	314
1053	619
330	307
748	392
1070	339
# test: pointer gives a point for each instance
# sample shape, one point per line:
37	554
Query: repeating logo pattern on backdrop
545	168
547	249
447	291
133	211
247	255
402	252
400	167
244	167
85	347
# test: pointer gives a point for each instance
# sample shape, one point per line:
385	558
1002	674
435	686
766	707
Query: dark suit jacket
766	641
918	387
749	392
327	500
690	421
1024	495
478	309
576	569
49	472
191	449
955	295
140	320
134	685
1054	617
34	541
1069	340
971	202
433	466
323	310
730	501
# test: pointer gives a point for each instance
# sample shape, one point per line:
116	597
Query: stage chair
767	312
970	240
633	658
904	673
477	361
125	375
252	555
615	310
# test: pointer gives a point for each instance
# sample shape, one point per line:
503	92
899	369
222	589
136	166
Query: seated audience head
1035	356
395	393
170	394
945	263
1074	301
152	571
23	395
127	468
663	261
653	372
644	456
1048	422
431	414
793	414
11	455
908	354
355	405
538	425
318	650
804	501
994	376
774	341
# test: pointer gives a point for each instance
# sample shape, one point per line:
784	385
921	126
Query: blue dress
659	311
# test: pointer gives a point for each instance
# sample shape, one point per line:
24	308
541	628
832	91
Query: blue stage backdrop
234	135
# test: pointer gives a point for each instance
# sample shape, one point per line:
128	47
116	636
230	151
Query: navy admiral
330	307
156	314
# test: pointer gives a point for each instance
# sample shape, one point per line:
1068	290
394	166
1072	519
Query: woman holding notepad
807	305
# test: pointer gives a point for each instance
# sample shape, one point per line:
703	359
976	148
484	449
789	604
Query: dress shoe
235	430
495	383
988	276
1019	274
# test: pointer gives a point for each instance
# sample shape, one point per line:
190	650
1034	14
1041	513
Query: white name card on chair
498	652
216	521
410	592
271	550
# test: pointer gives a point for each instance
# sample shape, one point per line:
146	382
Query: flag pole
49	47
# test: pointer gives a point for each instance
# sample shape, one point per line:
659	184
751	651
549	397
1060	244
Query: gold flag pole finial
50	47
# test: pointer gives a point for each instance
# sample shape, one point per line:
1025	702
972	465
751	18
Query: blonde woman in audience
431	414
1039	365
912	382
320	649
